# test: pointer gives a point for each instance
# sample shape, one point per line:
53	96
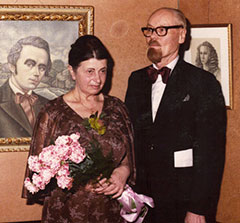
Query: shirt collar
171	65
15	88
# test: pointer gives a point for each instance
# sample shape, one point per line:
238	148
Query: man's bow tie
21	97
153	74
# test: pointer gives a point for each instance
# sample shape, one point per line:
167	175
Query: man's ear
12	68
70	68
182	36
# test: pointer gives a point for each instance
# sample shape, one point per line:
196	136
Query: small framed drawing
30	33
210	49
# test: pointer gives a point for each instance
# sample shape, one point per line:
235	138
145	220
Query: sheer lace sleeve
128	135
42	137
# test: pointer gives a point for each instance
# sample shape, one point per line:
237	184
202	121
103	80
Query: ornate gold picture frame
59	26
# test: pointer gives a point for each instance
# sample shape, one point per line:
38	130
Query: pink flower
63	140
38	181
54	164
47	154
46	175
64	170
75	136
64	181
34	164
78	153
31	187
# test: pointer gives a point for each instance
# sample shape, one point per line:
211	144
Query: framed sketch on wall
31	33
210	49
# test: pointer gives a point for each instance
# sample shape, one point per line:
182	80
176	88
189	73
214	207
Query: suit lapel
15	111
148	96
172	92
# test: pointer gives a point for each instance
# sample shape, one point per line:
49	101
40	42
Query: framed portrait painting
41	32
210	49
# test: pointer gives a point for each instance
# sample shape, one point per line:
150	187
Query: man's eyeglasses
160	30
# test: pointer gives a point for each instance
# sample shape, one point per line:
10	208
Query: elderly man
28	60
179	119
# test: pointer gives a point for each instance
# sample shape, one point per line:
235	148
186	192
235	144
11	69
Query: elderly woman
89	62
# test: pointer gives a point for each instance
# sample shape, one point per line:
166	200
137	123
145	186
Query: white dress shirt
158	88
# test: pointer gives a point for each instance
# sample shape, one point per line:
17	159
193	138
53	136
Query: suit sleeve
209	147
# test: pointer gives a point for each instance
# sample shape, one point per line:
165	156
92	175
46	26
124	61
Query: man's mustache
153	43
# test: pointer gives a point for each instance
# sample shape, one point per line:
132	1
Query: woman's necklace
94	105
92	109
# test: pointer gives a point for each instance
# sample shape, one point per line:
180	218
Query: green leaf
94	167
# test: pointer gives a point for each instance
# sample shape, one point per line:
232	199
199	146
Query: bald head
178	16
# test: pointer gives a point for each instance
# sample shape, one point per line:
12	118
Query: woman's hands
115	185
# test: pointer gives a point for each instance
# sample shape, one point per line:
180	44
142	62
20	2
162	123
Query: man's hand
194	218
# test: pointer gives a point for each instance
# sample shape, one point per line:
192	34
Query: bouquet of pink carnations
69	163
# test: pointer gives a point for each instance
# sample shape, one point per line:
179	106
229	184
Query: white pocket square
187	98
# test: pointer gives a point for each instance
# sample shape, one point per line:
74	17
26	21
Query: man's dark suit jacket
191	115
13	121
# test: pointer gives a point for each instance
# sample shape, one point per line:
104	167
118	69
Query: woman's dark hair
87	47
